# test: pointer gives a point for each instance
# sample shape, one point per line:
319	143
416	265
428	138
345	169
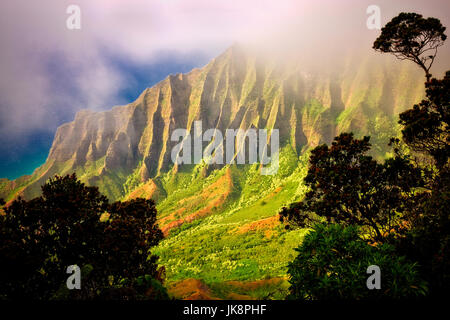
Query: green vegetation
349	187
239	241
332	263
393	214
71	224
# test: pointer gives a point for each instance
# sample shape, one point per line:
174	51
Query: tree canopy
73	224
348	186
426	127
409	36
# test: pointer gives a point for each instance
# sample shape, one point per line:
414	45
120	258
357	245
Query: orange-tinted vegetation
148	191
267	225
214	196
194	289
191	289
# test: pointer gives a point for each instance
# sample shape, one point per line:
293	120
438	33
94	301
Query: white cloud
32	32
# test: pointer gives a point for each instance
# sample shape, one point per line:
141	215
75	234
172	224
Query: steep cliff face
123	148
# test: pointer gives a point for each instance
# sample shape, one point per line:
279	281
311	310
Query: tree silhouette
426	127
409	36
426	130
349	187
72	224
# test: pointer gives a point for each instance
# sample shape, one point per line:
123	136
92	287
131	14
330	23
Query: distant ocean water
21	156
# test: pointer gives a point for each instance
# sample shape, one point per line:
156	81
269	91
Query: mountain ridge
234	90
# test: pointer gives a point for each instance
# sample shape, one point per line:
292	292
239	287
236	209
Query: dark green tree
21	255
425	130
129	233
332	264
72	224
426	127
409	36
349	187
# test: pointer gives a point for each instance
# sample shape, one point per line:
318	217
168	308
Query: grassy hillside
236	234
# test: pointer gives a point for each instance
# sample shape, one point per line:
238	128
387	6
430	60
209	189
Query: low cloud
48	72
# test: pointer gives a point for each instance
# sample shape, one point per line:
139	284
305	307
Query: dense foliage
347	186
426	131
404	200
426	127
72	224
332	263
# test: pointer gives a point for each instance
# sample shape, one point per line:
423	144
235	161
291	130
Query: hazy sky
48	72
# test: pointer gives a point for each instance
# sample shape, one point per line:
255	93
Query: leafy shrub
332	264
